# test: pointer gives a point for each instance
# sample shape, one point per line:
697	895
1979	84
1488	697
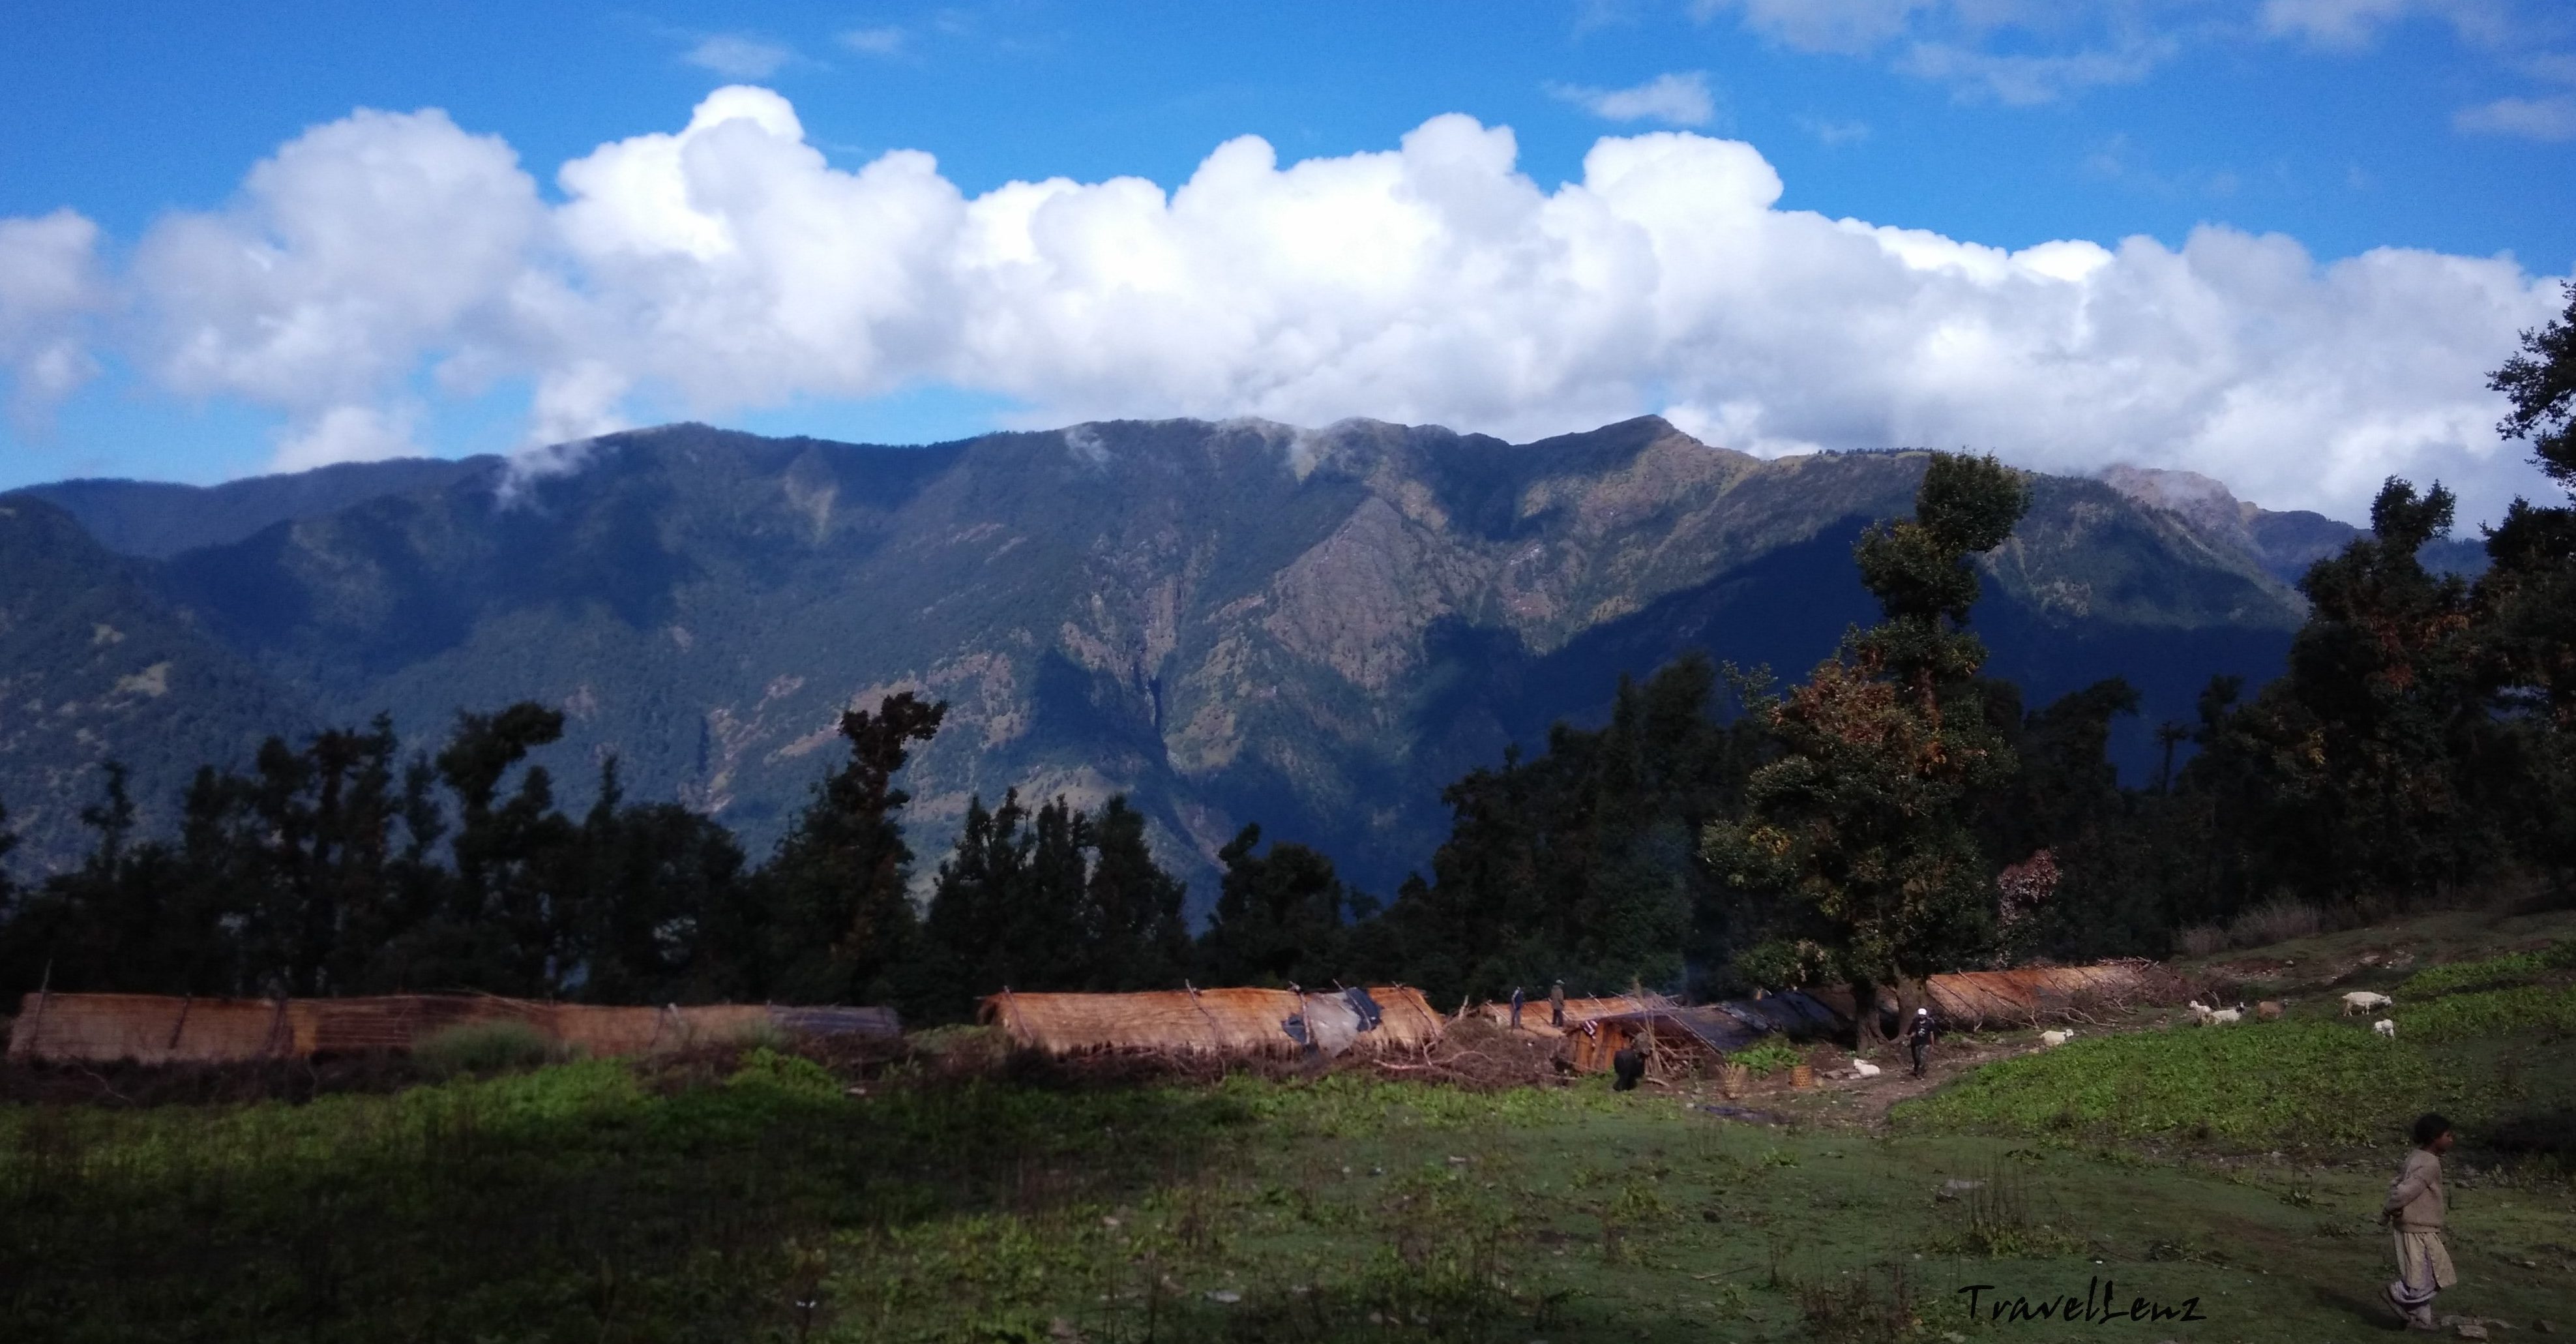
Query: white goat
2385	1028
2227	1017
1864	1068
2050	1040
2199	1011
2363	1001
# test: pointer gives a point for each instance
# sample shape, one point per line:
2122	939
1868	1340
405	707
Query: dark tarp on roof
1734	1025
838	1021
1793	1013
1712	1026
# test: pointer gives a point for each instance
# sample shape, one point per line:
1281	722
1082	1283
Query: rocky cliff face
2285	544
1232	622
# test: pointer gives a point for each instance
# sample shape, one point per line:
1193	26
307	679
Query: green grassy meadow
756	1197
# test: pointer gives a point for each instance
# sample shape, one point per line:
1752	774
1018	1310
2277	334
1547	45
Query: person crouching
2414	1213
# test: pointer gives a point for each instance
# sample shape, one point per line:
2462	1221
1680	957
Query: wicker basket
1735	1080
1802	1075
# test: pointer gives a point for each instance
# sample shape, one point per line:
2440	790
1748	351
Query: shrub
763	1034
1769	1057
479	1049
2202	940
2275	921
1992	1222
793	1074
1848	1310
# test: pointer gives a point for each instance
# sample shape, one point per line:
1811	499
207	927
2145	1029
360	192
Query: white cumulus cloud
728	265
357	249
887	41
50	286
2550	118
2354	23
736	56
349	434
2020	80
1675	100
1847	26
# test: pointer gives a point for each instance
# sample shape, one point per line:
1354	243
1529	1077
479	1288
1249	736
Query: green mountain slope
1241	621
93	664
160	519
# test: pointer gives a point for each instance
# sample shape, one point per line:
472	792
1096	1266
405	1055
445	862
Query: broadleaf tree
1855	851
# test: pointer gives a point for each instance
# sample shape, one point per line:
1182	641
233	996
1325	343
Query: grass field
755	1198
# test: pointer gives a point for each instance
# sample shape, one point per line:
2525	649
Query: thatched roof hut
1972	998
1225	1022
1702	1034
1535	1012
162	1029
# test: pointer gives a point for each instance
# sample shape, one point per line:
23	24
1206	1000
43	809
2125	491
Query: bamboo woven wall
1208	1021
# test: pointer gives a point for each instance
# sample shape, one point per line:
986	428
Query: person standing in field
1556	1005
1516	1007
2414	1213
1918	1038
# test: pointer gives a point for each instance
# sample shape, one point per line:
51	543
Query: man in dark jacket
1630	1065
1918	1038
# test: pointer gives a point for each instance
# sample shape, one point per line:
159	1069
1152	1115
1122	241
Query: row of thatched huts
162	1029
1598	1028
1218	1022
1238	1023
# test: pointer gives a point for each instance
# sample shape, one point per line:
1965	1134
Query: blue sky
2445	128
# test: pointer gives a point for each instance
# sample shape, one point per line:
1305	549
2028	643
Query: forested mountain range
1230	622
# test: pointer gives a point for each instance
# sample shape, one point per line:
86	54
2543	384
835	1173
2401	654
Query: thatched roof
1240	1022
1971	997
1535	1012
159	1029
1720	1028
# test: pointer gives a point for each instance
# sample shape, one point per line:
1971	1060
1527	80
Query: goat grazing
2227	1017
2385	1028
2199	1011
2050	1040
2363	1001
1862	1068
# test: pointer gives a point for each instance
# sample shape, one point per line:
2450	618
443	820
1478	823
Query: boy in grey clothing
2414	1212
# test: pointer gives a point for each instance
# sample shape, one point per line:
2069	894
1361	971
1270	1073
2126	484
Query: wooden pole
44	998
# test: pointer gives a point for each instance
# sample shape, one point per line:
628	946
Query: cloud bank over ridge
384	258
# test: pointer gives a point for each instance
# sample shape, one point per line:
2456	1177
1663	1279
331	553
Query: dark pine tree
1577	864
1134	933
2367	775
1007	912
506	930
651	883
2526	601
1280	918
1856	844
831	922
